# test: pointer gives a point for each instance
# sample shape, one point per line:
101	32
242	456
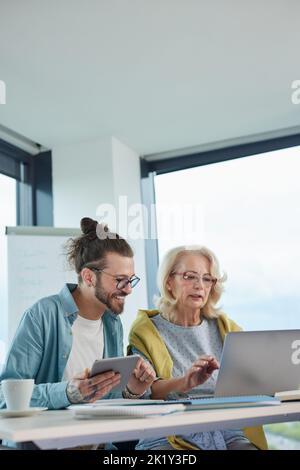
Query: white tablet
123	365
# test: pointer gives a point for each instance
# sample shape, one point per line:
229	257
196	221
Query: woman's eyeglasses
194	278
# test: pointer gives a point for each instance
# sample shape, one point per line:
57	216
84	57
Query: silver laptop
259	363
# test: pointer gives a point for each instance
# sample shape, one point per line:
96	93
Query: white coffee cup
17	393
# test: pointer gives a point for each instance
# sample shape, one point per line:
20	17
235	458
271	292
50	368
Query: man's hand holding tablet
130	374
86	389
136	374
124	366
140	380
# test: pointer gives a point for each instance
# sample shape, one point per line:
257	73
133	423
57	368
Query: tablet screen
124	365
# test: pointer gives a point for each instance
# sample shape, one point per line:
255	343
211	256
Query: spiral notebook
125	411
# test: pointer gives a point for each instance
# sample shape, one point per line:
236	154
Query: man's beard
109	300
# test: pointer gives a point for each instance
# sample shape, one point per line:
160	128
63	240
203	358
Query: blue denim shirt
43	342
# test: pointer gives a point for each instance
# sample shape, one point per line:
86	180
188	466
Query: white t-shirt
88	345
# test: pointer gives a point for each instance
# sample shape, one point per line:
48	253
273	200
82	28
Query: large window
25	199
8	192
248	212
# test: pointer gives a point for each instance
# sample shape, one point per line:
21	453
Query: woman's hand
141	378
85	389
199	372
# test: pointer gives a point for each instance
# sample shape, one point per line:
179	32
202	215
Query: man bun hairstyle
92	246
88	227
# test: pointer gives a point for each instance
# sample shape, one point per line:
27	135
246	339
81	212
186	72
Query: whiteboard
36	267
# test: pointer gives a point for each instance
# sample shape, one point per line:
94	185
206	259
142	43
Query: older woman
183	341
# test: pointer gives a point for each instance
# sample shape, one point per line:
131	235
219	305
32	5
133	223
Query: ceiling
157	74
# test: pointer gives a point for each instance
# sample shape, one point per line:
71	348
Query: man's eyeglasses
192	278
121	283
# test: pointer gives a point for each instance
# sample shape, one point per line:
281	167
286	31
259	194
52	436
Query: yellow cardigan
146	338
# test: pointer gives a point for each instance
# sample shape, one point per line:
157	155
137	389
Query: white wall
126	172
82	179
91	173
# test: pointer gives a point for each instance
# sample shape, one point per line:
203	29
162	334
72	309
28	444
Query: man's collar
67	300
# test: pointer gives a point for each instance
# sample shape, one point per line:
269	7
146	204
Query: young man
60	336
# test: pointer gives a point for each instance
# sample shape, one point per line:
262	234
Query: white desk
58	429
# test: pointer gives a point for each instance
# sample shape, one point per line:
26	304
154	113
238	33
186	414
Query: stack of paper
290	395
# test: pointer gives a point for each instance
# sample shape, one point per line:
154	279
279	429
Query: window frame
151	168
33	174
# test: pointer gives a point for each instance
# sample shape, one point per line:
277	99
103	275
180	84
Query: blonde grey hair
166	303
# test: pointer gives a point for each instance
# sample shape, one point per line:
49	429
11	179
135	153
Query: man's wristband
128	394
